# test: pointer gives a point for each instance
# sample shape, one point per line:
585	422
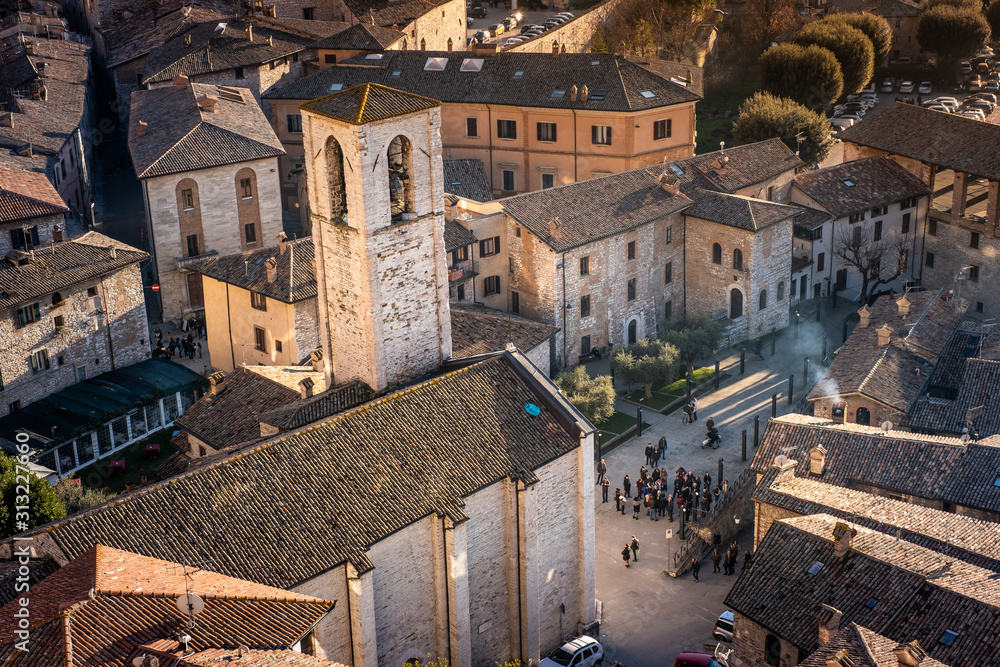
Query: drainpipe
229	320
489	133
575	153
104	302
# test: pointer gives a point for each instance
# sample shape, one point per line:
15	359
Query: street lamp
736	519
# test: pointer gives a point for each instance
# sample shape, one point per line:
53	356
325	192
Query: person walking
747	557
708	481
695	568
636	504
635	549
757	350
625	555
670	508
688	410
618	500
661	449
602	469
649	454
694	408
605	485
199	350
716	557
627	485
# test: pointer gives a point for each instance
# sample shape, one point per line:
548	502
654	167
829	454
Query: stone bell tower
376	197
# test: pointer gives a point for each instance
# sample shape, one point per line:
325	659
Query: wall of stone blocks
770	264
950	245
764	516
576	35
333	634
90	341
433	30
44	224
750	639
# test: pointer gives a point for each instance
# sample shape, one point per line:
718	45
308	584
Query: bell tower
376	197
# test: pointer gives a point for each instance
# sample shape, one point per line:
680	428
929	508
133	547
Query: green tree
76	497
693	337
810	75
952	32
647	362
765	116
593	396
974	5
875	27
853	50
43	505
598	44
643	38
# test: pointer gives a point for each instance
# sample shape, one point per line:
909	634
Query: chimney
187	41
904	306
44	71
670	183
216	383
572	93
306	387
57	236
786	468
554	228
909	655
842	537
316	360
36	92
43	91
864	313
272	269
839	659
29	48
817	460
829	623
884	332
140	128
555	48
584	93
7	120
249	33
114	251
207	103
282	243
180	81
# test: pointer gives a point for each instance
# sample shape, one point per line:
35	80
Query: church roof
368	103
420	450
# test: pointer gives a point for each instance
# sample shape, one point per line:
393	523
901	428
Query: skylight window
815	567
558	93
336	86
948	638
598	95
595	63
848	182
435	64
397	72
472	65
648	94
677	169
518	75
996	482
871	603
374	56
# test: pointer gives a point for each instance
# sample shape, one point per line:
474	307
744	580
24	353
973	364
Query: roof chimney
829	623
306	387
29	48
909	655
864	313
904	306
140	128
44	71
250	33
216	383
114	251
272	269
843	534
817	460
884	332
670	183
187	41
584	93
7	119
555	48
282	243
786	468
207	103
554	228
180	81
36	92
839	659
316	360
572	93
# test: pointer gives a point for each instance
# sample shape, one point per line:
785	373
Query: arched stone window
335	181
716	253
400	171
633	332
762	301
189	217
772	650
248	206
735	303
863	417
781	291
738	259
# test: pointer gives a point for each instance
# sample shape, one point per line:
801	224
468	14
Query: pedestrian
725	487
670	508
715	560
649	453
624	499
661	449
625	555
636	504
644	475
199	350
688	410
760	357
708	481
170	345
602	469
709	424
695	568
635	549
605	485
627	485
717	492
651	506
618	500
694	408
747	557
158	334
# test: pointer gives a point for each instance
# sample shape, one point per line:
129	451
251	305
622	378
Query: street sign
156	288
670	533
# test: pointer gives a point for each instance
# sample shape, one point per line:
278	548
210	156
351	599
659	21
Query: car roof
578	643
727	615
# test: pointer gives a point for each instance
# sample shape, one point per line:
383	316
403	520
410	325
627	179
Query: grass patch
617	423
665	395
96	475
713	125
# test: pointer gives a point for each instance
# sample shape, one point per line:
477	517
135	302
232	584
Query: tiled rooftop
217	657
456	236
479	330
128	39
744	213
975	402
303	411
368	103
864	648
25	195
362	36
855	187
295	279
467	179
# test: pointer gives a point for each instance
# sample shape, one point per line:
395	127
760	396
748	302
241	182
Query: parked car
989	97
887	86
477	12
926	88
724	626
566	15
482	36
938	107
975	83
949	102
839	123
580	652
965	67
691	659
984	105
514	41
992	87
870	98
533	28
497	29
903	60
509	23
906	87
852	116
975	114
983	68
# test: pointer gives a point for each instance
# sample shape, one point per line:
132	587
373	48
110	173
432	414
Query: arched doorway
863	417
735	303
772	650
633	332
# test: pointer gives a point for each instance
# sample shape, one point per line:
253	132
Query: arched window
400	167
781	291
248	209
863	417
633	334
189	217
335	181
763	300
735	303
404	44
716	253
772	650
56	298
738	259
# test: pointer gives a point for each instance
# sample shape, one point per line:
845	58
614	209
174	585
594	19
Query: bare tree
879	262
764	21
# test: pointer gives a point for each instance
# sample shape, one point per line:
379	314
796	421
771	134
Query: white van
841	123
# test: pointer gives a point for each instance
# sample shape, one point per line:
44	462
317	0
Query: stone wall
950	246
306	328
764	516
575	35
751	640
434	30
44	226
88	344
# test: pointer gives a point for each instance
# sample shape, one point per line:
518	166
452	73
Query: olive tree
593	396
647	362
810	75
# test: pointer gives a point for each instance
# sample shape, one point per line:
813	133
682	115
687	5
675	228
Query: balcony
184	262
459	274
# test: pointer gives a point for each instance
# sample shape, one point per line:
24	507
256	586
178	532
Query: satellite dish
780	459
887	426
190	604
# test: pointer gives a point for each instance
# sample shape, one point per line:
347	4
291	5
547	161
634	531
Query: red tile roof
25	194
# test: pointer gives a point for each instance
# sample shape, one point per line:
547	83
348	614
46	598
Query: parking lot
497	14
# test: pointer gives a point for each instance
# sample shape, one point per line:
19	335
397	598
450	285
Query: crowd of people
186	345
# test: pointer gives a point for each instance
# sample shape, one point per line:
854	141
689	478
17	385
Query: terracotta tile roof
971	540
917	592
403	451
139	593
61	265
216	50
25	194
38	569
591	210
467	179
294	281
693	74
394	14
128	39
303	411
875	181
945	140
890	9
497	81
230	418
479	330
183	137
225	657
932	467
361	36
811	218
368	103
744	213
976	398
864	648
456	236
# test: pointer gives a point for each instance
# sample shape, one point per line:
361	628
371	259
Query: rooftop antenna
189	604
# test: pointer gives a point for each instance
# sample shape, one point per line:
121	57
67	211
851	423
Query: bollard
773	336
720	468
743	359
844	339
744	445
824	349
805	372
680	530
791	387
797	318
597	436
756	430
774	406
716	374
638	422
